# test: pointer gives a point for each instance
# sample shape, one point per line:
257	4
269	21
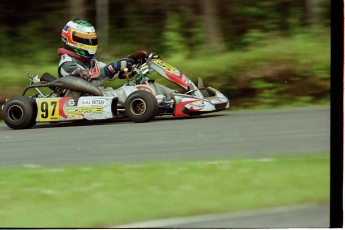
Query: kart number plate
48	109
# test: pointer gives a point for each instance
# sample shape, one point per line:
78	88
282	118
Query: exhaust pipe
76	84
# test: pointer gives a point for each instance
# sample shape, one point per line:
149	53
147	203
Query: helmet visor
85	39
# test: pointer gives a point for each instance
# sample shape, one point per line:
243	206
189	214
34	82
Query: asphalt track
223	136
208	137
297	216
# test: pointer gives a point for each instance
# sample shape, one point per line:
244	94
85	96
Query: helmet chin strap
62	51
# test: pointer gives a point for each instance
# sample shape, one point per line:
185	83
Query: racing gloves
139	57
117	68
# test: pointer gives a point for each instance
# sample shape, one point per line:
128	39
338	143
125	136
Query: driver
78	56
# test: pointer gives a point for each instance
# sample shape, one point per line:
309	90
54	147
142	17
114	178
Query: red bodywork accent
180	106
177	79
62	102
145	88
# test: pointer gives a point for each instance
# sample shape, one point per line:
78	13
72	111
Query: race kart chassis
140	99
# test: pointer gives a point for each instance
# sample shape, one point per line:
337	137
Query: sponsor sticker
111	69
195	106
164	65
97	101
75	117
83	110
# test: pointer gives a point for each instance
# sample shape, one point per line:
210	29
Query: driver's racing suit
92	70
97	72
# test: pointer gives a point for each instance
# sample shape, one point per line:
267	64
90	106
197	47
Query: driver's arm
70	68
116	69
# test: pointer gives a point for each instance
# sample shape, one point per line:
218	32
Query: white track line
213	217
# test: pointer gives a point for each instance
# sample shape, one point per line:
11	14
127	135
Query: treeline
179	26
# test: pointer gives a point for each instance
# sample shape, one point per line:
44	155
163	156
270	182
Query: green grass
310	50
102	196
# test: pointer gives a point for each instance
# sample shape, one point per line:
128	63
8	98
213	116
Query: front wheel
141	106
20	112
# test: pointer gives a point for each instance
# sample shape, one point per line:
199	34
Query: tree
102	22
78	9
310	14
312	11
212	28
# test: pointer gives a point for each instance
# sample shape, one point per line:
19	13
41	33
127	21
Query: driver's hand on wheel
139	57
117	68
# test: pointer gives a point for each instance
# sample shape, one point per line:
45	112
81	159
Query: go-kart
71	98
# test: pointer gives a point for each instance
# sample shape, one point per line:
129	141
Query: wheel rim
15	113
138	106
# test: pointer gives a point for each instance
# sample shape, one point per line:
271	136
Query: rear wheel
141	106
20	112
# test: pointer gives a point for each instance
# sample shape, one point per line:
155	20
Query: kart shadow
186	118
118	120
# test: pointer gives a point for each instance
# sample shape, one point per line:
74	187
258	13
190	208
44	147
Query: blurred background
261	54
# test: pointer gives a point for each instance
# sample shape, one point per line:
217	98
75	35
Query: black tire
141	106
20	112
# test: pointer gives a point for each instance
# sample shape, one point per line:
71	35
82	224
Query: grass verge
104	196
